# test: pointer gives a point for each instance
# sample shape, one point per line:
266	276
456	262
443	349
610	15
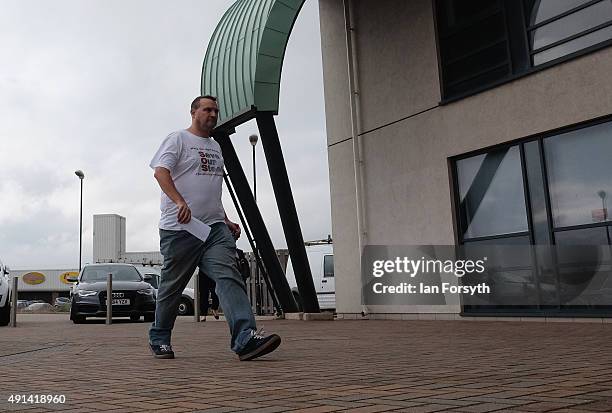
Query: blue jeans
216	257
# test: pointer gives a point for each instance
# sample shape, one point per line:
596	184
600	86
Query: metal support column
258	262
287	211
256	223
197	297
14	297
109	299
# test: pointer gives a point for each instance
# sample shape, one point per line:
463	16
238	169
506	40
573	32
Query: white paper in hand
197	228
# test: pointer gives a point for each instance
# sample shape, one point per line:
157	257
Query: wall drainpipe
358	158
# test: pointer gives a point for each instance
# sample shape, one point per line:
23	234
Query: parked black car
132	296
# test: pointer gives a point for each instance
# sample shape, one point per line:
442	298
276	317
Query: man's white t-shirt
196	167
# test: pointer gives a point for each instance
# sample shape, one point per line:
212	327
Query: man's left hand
234	228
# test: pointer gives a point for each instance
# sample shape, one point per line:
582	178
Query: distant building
109	243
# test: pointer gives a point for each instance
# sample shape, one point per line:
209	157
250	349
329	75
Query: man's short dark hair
196	102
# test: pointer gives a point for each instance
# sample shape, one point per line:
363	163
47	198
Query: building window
489	183
475	43
568	179
562	27
580	175
483	43
574	187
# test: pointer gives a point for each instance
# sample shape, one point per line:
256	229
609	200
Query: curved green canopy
243	62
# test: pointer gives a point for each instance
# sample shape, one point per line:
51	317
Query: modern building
109	243
454	122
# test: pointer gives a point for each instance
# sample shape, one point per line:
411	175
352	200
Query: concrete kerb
294	316
325	316
328	316
318	317
468	318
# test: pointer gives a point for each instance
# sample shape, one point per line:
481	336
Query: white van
5	295
321	259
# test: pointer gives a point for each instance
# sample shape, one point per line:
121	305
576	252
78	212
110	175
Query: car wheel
149	318
76	319
298	300
5	314
134	317
185	307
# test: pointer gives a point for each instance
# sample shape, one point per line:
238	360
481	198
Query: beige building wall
408	136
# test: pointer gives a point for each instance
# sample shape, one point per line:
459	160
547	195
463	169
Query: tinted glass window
328	266
515	240
455	14
485	42
120	273
580	175
573	46
546	9
492	199
474	44
581	265
570	25
573	171
586	236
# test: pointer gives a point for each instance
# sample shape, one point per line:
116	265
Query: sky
97	85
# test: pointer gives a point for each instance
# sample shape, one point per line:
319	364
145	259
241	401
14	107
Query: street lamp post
81	176
602	194
253	140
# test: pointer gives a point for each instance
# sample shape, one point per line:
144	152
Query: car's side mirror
72	279
147	277
7	270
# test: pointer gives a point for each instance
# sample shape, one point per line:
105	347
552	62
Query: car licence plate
119	301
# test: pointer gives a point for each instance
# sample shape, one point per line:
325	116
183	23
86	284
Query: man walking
189	169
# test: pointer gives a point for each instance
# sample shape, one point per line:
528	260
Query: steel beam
253	216
287	211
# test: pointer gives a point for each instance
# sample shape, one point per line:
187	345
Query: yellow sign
69	274
33	278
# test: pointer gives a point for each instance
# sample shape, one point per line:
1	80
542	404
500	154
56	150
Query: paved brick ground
357	366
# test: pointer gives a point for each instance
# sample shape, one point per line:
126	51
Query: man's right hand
184	213
167	185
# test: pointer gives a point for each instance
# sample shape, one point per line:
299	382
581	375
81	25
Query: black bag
243	264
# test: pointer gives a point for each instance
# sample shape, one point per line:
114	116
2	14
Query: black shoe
163	351
259	345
